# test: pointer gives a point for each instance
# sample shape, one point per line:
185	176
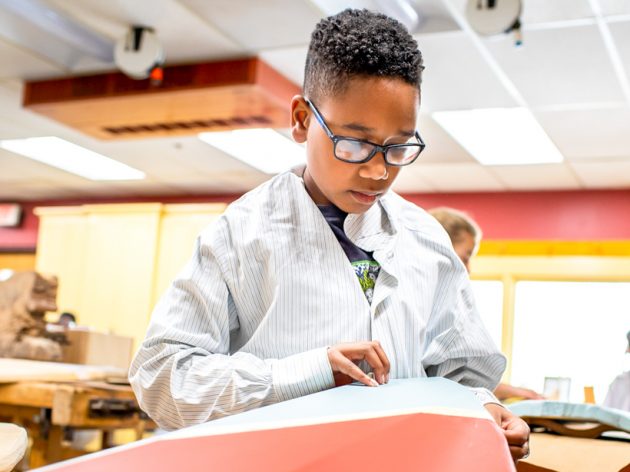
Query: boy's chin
351	204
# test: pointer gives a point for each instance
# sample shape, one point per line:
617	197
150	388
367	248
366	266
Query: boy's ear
300	113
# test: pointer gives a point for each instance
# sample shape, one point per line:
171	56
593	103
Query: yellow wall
17	261
113	261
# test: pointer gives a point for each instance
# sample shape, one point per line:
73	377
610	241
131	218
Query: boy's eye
397	152
348	149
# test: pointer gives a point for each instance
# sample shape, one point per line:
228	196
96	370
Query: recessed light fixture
262	148
67	156
500	136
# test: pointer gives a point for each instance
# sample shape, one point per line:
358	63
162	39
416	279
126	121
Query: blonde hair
456	223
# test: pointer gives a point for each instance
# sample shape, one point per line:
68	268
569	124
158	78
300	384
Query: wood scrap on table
25	297
18	370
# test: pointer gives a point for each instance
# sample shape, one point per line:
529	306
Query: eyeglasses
358	151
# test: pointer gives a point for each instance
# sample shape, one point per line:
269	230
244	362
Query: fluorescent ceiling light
64	155
500	136
263	148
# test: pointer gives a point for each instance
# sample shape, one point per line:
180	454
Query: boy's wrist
484	395
302	374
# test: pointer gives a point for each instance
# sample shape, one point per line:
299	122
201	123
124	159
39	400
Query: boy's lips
365	197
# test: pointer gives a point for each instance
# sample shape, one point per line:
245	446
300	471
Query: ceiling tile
559	66
411	180
38	191
24	64
615	7
589	134
288	61
456	76
441	148
610	174
235	182
139	188
545	11
434	17
459	177
257	25
172	153
185	36
22	170
537	177
621	34
50	44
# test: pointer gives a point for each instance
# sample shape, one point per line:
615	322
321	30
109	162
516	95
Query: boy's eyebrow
367	129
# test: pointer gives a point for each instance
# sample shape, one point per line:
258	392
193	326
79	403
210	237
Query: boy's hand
343	358
514	429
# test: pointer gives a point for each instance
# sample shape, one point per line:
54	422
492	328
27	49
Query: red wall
574	216
571	215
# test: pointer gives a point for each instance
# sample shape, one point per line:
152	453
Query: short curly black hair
359	43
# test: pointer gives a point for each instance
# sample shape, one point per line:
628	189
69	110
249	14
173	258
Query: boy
305	262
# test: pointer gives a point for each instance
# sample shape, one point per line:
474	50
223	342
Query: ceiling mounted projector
139	53
492	17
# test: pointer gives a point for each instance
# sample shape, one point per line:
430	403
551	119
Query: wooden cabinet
114	261
179	227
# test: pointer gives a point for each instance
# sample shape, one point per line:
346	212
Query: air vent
244	93
196	126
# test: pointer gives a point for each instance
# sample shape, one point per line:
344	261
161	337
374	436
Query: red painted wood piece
418	442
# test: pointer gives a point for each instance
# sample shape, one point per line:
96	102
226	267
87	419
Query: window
489	300
570	329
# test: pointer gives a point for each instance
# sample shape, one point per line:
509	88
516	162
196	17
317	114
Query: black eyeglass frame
377	147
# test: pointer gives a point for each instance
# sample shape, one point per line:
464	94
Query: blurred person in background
465	236
67	320
618	395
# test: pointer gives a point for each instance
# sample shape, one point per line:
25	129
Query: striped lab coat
248	321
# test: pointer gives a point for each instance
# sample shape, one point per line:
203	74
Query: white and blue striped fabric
248	321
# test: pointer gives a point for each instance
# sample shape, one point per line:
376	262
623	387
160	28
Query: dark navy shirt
363	263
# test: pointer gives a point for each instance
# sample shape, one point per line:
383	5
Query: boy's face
379	110
465	248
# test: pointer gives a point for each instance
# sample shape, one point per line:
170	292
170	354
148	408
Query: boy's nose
375	168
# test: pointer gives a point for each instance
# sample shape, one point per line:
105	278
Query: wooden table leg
107	439
54	449
37	455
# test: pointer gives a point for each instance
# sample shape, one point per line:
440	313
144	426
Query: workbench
51	399
48	409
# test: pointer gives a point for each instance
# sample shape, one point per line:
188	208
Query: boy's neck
313	190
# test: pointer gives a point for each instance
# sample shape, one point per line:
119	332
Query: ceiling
572	72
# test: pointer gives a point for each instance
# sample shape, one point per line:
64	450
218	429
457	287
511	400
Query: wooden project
24	299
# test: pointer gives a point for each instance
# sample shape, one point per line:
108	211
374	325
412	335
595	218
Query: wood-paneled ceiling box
235	94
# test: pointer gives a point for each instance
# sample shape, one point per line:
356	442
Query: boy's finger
352	370
516	433
376	364
381	353
519	452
